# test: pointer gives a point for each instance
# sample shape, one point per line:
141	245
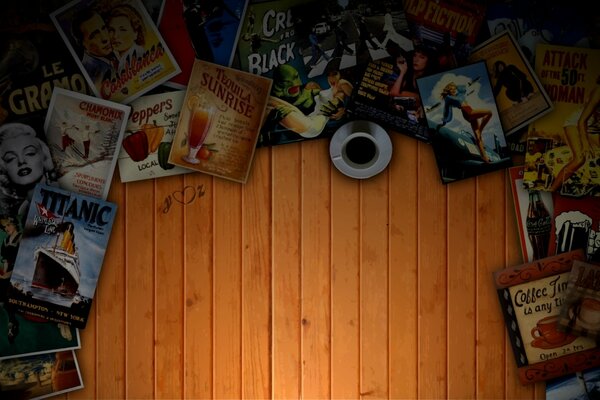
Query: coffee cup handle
535	330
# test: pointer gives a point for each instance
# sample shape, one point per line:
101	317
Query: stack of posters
315	55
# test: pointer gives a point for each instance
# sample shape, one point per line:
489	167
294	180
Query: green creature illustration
289	105
287	86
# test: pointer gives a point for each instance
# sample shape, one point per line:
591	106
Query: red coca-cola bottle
538	224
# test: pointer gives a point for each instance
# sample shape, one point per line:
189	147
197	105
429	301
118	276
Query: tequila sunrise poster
117	47
220	121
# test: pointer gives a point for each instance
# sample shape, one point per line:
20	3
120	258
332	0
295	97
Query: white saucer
354	170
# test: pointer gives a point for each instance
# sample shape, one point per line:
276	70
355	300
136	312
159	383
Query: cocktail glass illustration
202	113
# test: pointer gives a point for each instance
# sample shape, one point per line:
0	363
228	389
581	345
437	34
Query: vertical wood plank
87	359
403	262
462	266
316	241
345	286
490	257
198	284
286	245
256	279
374	287
432	247
110	297
227	272
140	211
169	274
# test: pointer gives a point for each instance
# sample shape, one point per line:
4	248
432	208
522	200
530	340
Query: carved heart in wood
185	196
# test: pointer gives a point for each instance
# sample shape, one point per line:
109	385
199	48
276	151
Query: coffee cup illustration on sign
547	336
586	314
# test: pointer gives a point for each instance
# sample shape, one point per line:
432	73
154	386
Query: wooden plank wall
304	283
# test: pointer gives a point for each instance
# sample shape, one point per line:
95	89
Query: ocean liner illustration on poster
60	257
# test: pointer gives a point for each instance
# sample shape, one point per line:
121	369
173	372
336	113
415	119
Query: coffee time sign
537	309
532	297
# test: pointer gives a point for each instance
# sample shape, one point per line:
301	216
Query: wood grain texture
226	268
304	283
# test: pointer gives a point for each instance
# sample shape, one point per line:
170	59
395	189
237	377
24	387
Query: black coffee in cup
360	150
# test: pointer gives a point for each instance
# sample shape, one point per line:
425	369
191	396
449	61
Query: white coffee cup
360	149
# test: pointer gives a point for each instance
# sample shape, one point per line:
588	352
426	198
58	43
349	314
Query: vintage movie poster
468	139
33	60
519	95
213	27
20	335
149	136
445	30
580	313
60	256
40	376
26	161
220	121
563	147
386	90
117	47
534	212
541	22
312	50
531	296
84	134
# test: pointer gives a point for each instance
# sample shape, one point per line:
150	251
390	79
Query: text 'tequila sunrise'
232	94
